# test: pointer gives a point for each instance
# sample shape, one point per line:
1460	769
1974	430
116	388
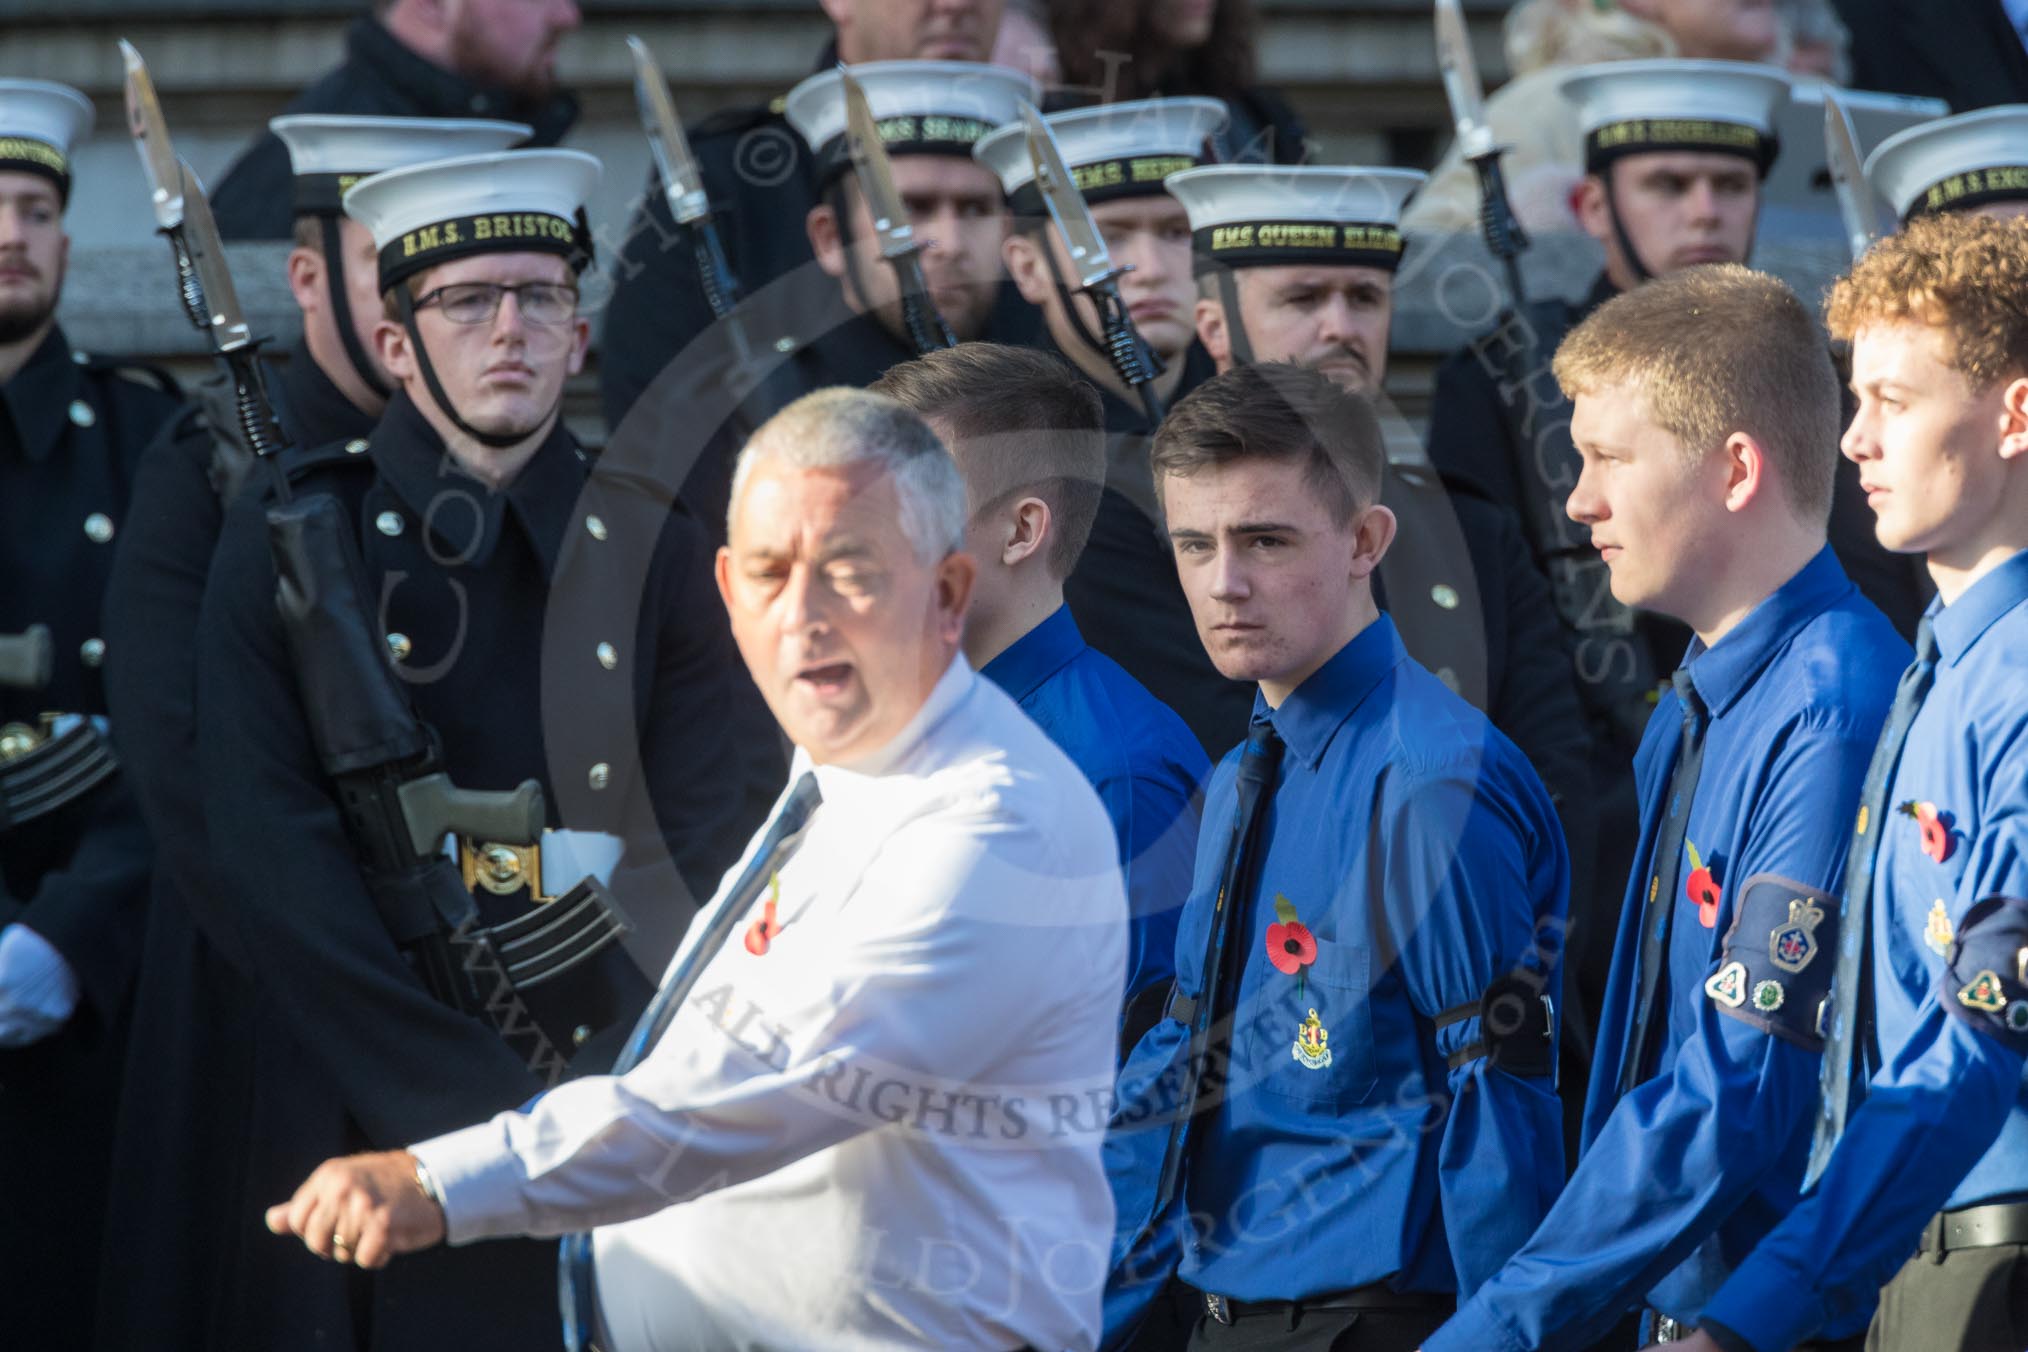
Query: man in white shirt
875	1120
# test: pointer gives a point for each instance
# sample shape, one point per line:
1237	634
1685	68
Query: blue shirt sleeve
1930	1113
1468	900
1680	1151
1156	823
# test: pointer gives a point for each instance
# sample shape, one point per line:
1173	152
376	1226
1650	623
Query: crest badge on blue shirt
1984	993
1728	985
1768	996
1313	1043
1792	946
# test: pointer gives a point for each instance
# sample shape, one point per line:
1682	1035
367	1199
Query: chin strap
405	302
1235	327
341	310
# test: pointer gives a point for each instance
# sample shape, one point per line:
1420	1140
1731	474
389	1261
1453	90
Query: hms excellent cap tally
1637	107
922	107
1954	163
511	201
1266	215
328	153
1116	150
39	122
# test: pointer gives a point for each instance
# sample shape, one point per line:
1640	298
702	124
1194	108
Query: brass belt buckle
501	869
19	739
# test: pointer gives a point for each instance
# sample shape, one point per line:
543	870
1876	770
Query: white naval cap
1632	107
510	201
39	122
921	107
1115	150
328	153
1247	215
1954	163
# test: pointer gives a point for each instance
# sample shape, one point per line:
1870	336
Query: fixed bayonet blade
151	138
229	331
1089	256
1461	80
876	175
681	181
1848	176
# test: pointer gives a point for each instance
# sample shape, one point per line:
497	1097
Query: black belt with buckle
1373	1296
1975	1227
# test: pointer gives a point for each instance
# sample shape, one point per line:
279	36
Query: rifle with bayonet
183	216
384	763
683	183
1097	275
926	328
1848	177
1503	234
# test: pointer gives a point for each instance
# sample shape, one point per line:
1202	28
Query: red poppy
1703	889
1291	947
1706	894
1937	841
762	932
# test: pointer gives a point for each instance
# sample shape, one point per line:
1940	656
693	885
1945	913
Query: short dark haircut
1020	423
1278	411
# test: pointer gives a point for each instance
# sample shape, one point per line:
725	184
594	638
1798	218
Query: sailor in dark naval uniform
546	623
416	58
1297	264
199	1033
74	854
761	179
1124	592
1973	162
838	320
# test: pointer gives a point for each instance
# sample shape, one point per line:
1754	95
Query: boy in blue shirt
1706	412
1920	1162
1028	435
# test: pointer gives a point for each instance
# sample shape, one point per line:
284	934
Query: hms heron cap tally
1638	107
1954	163
1266	215
510	201
39	123
921	107
1114	150
328	153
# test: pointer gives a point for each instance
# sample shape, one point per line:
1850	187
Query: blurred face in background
510	44
1723	30
914	30
1183	24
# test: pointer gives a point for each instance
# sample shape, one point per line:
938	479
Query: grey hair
834	428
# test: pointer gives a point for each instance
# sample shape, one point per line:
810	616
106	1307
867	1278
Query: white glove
38	991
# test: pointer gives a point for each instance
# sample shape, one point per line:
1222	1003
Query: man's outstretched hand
361	1209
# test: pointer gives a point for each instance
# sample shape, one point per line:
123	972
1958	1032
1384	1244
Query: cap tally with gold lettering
511	201
1642	107
1954	163
1250	215
328	153
39	122
921	108
1116	150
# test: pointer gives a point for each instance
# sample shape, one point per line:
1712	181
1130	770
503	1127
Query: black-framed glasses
478	302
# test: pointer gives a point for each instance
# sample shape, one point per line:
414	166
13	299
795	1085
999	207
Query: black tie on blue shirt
1849	1053
1253	786
1666	866
784	836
